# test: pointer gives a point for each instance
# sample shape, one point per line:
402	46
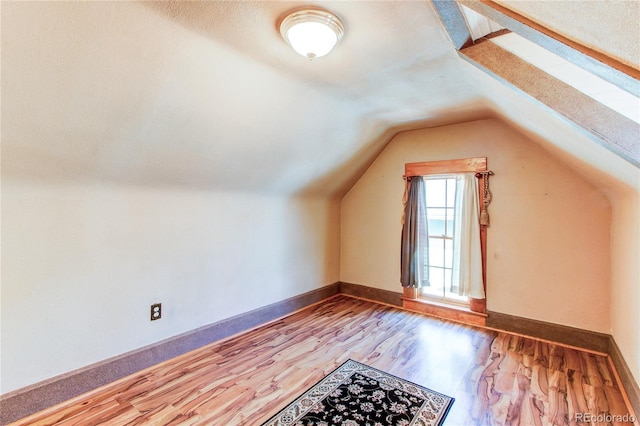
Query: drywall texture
82	264
548	244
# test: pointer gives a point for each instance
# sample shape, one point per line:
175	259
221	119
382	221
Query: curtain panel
467	253
415	236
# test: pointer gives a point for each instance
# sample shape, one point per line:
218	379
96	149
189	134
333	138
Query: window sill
441	310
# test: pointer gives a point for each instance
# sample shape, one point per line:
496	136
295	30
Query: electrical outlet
156	311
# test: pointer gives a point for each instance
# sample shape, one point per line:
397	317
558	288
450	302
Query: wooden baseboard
625	377
571	336
31	399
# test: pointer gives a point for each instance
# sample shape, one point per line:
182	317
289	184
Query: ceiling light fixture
311	32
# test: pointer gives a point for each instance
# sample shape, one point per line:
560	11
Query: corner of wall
625	281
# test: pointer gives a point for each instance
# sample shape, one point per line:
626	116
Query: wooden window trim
463	165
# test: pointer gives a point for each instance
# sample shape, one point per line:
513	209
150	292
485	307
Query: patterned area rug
358	395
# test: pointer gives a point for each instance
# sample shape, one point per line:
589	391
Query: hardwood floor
496	378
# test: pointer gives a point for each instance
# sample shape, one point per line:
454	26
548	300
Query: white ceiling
207	94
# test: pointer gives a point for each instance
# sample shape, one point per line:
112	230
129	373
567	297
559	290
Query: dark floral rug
358	395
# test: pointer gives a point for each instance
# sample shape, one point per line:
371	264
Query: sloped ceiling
207	94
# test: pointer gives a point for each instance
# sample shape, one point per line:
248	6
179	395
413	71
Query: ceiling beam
606	67
454	22
606	126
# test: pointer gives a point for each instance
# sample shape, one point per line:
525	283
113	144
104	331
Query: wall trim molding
370	293
571	336
625	377
23	402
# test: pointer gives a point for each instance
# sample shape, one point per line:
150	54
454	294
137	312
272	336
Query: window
443	243
439	256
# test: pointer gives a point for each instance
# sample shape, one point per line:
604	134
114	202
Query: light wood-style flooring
495	378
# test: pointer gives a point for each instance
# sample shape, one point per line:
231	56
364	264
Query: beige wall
549	240
625	280
82	264
143	162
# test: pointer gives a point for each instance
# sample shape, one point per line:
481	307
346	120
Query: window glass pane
436	219
437	213
430	291
447	279
425	266
448	254
436	192
451	192
436	252
436	277
436	227
450	222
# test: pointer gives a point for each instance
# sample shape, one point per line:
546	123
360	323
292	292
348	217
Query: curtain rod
478	174
481	174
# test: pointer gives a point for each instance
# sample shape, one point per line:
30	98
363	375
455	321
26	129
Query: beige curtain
467	260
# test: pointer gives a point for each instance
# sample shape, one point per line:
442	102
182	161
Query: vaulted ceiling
207	94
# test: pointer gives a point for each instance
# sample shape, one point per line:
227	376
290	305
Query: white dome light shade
311	32
311	39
